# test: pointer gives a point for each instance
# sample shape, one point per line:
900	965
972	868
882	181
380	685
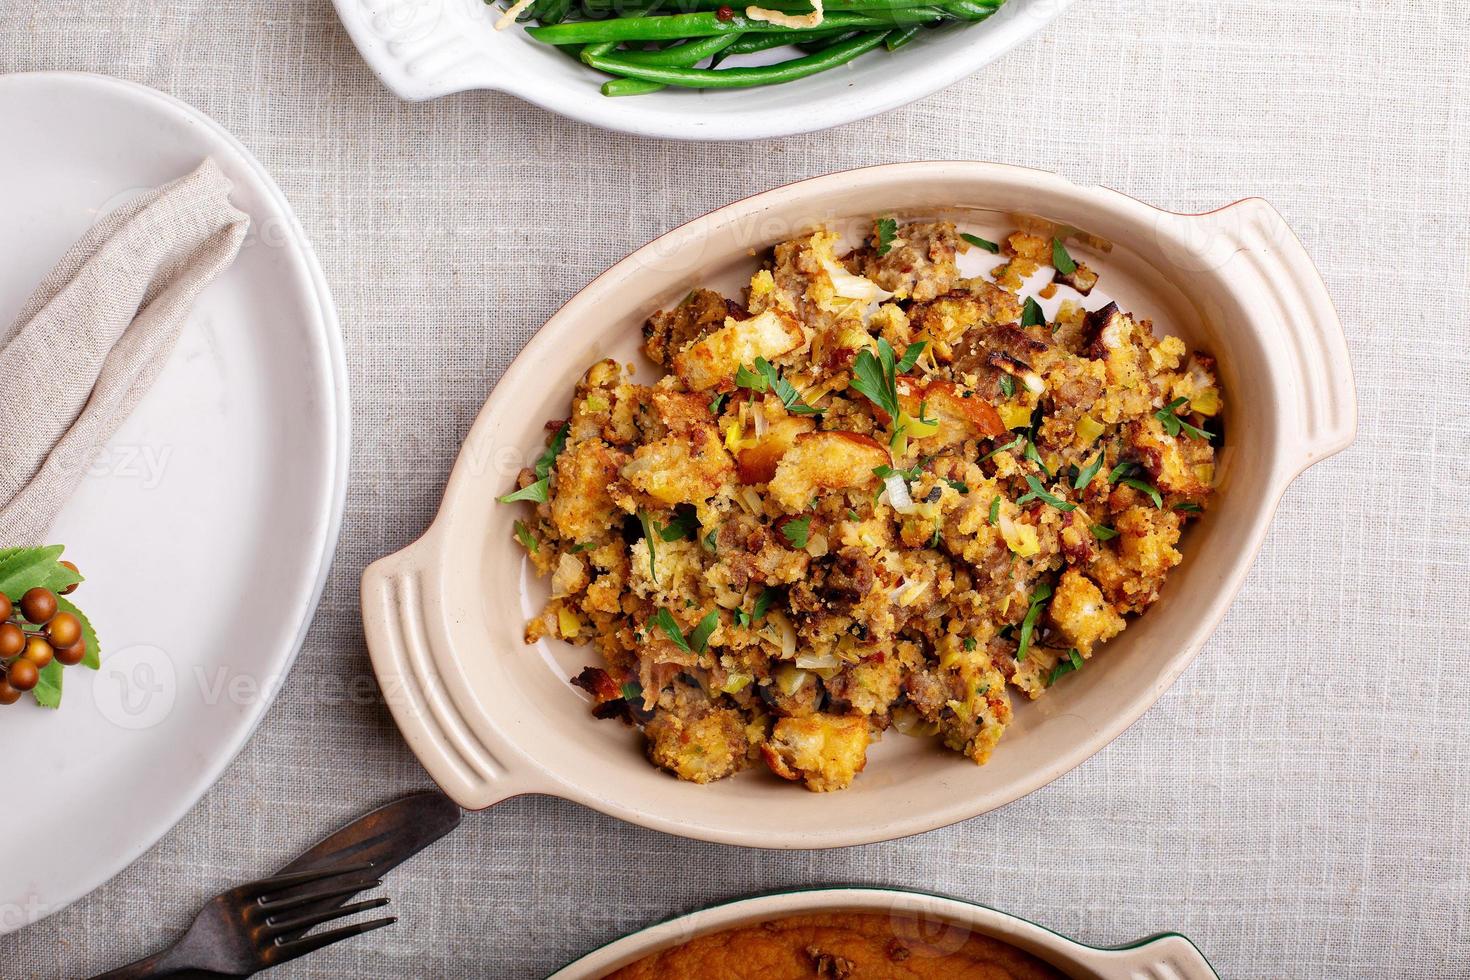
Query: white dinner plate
205	529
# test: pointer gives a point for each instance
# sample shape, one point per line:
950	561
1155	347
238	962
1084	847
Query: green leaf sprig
1174	423
1039	492
798	531
979	242
766	378
23	569
875	376
887	229
538	491
1072	661
1061	258
698	639
1028	625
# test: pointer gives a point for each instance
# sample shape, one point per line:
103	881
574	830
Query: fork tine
265	886
287	904
308	921
300	947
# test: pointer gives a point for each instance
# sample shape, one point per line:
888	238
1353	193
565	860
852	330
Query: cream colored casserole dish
919	919
491	717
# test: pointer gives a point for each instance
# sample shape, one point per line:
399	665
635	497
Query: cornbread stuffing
874	493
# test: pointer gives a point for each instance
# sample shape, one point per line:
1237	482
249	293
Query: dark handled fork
264	924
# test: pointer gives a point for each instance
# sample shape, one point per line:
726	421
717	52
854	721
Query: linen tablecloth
1299	803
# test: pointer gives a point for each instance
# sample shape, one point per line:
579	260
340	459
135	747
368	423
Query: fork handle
163	964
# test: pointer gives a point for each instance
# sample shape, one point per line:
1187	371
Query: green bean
967	10
751	43
786	71
685	55
897	39
676	26
616	87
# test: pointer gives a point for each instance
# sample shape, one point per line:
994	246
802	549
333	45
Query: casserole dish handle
407	627
1299	326
1168	956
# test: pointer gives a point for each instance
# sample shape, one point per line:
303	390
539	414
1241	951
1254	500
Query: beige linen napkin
92	339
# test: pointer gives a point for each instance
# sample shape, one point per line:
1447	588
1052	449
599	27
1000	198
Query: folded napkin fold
92	338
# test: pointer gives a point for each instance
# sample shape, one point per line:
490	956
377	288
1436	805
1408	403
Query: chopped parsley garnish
537	492
525	537
797	531
753	380
1028	625
979	242
767	378
909	475
1035	457
681	527
709	540
717	403
1008	386
1189	507
970	644
1072	661
582	546
632	691
1031	314
959	486
1103	532
1144	487
1039	492
698	640
1085	477
887	232
762	603
995	511
875	376
649	534
1002	449
1061	258
1174	423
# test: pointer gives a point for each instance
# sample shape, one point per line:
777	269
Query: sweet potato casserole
872	493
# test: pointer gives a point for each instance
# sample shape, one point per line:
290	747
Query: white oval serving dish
424	49
490	717
933	919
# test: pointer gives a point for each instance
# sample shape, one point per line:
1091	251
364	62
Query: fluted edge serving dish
491	717
935	919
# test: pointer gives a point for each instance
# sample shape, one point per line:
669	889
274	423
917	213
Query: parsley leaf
525	537
909	475
699	639
632	691
762	603
979	242
1002	449
1031	314
1103	533
1007	386
1173	422
1073	661
1085	477
665	621
750	379
537	492
1028	625
970	643
1035	457
959	486
911	355
995	511
1039	492
648	535
887	231
681	527
798	531
875	376
717	403
1061	258
1189	507
1144	487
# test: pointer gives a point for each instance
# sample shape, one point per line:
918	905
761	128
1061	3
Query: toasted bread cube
686	469
758	463
581	507
1079	611
819	461
707	362
700	749
826	752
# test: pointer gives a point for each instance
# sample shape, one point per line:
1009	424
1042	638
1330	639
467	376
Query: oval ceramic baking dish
933	919
491	717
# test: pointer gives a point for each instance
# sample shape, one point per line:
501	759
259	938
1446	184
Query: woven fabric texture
1297	803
